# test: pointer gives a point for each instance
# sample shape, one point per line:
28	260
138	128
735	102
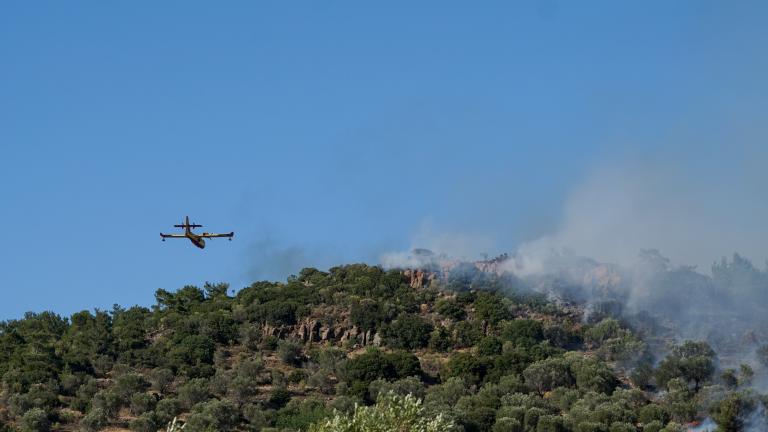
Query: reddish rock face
415	278
418	278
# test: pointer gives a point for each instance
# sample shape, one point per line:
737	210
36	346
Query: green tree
290	351
545	375
391	413
731	412
692	361
142	402
299	414
409	332
506	424
35	420
214	415
490	307
166	409
193	392
160	379
367	314
489	345
440	339
147	422
95	420
450	308
523	332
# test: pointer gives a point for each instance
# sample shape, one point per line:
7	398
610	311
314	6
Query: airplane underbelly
198	242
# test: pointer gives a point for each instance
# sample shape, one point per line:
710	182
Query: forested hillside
360	348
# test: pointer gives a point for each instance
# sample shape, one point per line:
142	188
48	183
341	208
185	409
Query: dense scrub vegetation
359	348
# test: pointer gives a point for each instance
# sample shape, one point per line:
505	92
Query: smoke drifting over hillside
694	215
651	238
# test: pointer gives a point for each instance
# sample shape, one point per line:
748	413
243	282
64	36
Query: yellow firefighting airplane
196	239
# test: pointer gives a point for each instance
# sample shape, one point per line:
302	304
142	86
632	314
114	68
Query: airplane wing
172	235
211	235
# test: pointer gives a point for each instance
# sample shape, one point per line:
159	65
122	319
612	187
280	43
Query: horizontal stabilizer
190	225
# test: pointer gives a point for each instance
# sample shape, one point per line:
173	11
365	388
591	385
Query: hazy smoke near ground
666	230
273	260
678	241
431	247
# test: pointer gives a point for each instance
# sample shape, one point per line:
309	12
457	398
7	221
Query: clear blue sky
325	132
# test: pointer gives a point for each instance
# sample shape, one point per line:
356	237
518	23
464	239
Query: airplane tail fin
187	226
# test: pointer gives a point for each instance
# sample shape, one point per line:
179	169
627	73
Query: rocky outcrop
308	331
312	330
326	334
419	278
496	265
272	331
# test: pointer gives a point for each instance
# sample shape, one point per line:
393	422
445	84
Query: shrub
591	427
551	423
269	343
653	412
405	386
216	415
490	307
127	385
374	364
193	392
642	375
296	376
408	332
466	334
559	336
366	314
449	308
446	394
35	420
290	351
440	339
192	350
95	420
654	426
160	379
280	397
392	413
731	412
298	415
506	424
489	345
106	401
405	364
546	375
692	361
523	332
622	427
467	366
167	409
255	416
147	422
242	388
84	395
591	374
280	312
142	402
478	418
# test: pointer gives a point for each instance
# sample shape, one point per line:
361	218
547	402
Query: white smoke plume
654	234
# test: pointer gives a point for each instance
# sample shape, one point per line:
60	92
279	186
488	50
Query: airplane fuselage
196	240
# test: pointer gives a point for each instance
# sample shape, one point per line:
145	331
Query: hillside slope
478	350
